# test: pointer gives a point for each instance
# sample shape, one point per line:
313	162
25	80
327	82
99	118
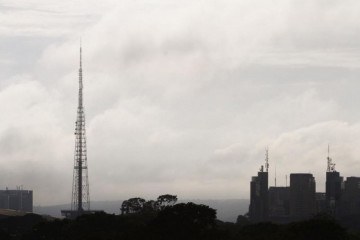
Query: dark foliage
166	200
140	206
316	229
132	205
268	231
15	227
195	222
181	221
4	235
242	220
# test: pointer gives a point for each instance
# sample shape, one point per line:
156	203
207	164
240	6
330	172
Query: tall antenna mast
267	159
328	159
275	174
80	192
80	199
330	164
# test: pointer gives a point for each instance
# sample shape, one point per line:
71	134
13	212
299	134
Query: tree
132	205
150	206
125	209
319	228
186	221
242	220
166	200
138	205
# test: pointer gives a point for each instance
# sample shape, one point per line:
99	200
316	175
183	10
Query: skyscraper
279	200
350	199
302	196
334	183
259	194
258	209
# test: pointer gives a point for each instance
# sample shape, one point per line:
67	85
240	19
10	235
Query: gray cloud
181	97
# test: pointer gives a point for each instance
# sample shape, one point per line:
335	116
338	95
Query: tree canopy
183	221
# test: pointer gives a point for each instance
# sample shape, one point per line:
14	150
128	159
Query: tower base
72	214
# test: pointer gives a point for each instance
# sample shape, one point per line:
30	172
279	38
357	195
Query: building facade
279	204
259	199
19	200
300	201
350	198
334	187
302	196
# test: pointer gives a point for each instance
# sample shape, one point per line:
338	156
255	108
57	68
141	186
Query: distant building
321	203
334	184
302	196
300	201
350	199
20	200
279	204
259	200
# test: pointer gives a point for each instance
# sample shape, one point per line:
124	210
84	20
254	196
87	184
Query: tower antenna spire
80	198
80	67
330	164
267	159
275	174
80	53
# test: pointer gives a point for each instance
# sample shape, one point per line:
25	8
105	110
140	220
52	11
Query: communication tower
330	164
80	200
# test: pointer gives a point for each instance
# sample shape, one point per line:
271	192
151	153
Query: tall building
300	201
334	183
258	210
259	199
279	204
321	203
350	199
302	196
19	200
80	201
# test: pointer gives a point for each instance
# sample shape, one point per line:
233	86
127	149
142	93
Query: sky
181	97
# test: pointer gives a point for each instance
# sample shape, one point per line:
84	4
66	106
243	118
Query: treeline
165	219
140	205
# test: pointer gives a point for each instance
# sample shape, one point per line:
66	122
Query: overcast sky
181	97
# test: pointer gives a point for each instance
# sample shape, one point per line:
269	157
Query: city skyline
181	98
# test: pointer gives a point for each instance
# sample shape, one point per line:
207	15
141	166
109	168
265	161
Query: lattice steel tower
80	199
80	191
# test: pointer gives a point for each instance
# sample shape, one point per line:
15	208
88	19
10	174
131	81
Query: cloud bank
181	97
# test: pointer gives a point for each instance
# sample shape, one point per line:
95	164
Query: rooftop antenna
330	164
267	159
275	174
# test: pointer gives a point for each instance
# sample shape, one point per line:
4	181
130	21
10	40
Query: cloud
180	97
302	150
32	140
49	18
